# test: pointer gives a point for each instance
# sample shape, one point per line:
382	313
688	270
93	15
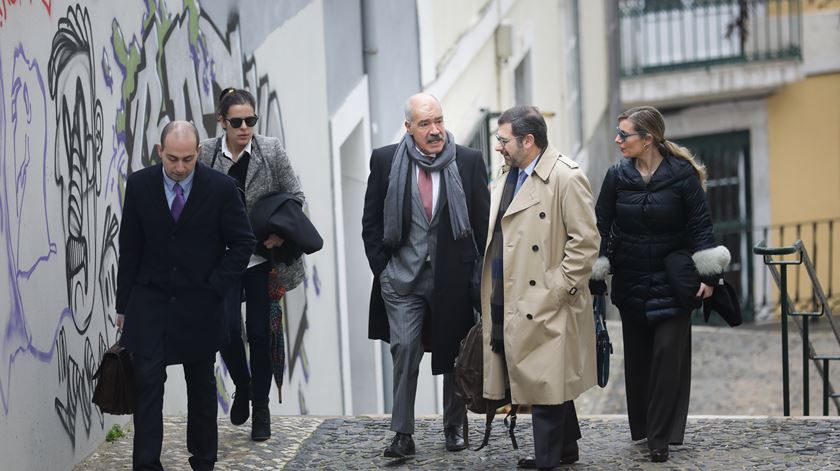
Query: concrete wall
85	89
392	62
343	41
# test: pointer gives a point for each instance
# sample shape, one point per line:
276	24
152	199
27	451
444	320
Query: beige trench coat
550	245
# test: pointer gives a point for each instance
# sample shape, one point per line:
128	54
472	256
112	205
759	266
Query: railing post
826	382
806	392
785	369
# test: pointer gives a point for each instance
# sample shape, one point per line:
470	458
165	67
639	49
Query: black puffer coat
649	221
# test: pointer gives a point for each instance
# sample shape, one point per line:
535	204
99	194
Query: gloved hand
597	287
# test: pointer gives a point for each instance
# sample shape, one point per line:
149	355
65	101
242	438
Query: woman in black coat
261	167
653	203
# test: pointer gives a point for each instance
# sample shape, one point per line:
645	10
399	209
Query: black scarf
496	249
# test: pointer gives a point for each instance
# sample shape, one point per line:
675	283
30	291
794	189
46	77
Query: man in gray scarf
424	226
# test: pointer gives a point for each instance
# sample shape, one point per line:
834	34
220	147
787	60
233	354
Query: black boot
239	410
260	423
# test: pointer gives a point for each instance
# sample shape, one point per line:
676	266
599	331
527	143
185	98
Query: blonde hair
648	120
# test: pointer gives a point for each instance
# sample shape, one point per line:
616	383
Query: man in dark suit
426	211
184	239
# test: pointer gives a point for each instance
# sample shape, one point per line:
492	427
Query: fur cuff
600	269
711	261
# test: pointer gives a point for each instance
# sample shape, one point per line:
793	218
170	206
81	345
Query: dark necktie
520	181
424	185
178	202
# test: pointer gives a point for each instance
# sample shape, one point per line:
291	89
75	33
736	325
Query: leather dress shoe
660	455
240	409
401	446
570	455
528	463
260	423
454	439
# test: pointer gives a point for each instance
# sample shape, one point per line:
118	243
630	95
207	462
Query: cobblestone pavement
343	443
736	373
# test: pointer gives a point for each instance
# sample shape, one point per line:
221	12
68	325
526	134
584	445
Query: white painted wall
54	335
821	41
593	58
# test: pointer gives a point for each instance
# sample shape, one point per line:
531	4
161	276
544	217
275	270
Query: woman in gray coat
260	167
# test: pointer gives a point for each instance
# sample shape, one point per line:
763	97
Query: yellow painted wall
803	126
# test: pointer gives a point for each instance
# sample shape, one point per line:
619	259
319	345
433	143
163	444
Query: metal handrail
808	351
682	35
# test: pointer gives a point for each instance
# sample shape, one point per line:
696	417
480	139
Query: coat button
172	299
529	316
542	215
532	283
535	248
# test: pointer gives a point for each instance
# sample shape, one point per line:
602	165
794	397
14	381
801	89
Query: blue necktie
178	202
520	181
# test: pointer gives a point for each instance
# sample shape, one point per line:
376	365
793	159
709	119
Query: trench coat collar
547	163
528	195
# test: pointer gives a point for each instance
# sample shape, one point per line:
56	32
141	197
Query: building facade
749	87
87	86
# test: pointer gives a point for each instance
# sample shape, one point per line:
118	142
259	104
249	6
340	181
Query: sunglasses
622	136
250	121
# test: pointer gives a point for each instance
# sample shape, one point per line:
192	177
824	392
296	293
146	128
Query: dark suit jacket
451	310
172	276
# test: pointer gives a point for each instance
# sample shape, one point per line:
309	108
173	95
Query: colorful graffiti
69	136
5	6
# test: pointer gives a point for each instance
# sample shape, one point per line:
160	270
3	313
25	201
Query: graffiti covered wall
85	89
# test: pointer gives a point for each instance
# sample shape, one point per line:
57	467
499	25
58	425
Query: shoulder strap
510	423
216	151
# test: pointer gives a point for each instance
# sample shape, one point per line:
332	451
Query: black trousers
657	375
254	283
556	432
202	432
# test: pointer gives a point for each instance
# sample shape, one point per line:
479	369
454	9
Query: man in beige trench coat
539	334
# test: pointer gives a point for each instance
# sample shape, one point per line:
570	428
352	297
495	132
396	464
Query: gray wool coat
269	171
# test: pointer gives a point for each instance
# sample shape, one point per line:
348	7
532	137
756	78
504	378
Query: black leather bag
114	392
603	346
469	387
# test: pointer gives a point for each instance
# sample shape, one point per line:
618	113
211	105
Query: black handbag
114	392
469	388
603	346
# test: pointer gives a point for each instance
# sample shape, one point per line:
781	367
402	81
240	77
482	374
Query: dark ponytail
234	96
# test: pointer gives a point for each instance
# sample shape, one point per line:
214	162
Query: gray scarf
407	153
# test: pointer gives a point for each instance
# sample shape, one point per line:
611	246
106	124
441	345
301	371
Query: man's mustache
434	138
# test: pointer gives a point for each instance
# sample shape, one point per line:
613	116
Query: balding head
179	130
178	149
417	100
424	122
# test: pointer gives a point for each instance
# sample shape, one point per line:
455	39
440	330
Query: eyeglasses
503	140
250	121
622	136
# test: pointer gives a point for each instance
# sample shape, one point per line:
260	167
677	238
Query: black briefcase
603	346
114	392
